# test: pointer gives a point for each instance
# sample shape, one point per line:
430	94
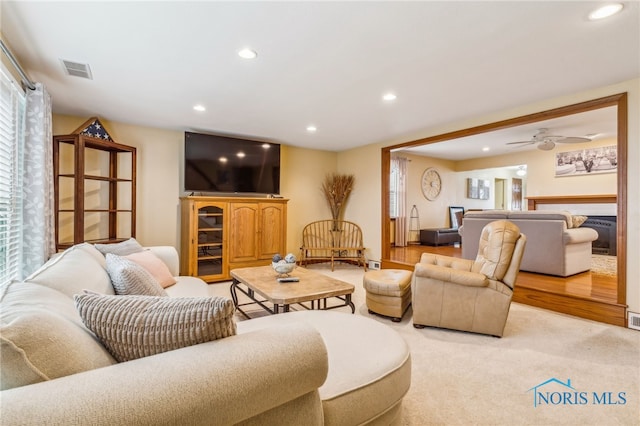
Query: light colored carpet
467	379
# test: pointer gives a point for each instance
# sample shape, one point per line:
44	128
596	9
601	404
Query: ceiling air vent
77	69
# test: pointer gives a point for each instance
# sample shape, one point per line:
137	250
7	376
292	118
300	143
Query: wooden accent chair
470	295
332	240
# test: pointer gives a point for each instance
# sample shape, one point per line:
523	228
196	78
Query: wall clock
431	184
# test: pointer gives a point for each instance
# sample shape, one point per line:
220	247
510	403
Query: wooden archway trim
618	100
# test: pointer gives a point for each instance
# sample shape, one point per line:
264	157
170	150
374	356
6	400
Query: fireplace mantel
533	202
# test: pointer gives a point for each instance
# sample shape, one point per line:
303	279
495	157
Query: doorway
500	190
516	194
543	298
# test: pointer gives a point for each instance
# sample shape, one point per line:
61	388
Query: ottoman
439	236
388	292
369	366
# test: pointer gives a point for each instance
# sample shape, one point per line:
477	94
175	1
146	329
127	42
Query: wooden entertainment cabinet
222	233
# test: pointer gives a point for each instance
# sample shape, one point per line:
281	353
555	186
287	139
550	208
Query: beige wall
302	173
364	205
541	178
490	174
433	214
159	173
158	181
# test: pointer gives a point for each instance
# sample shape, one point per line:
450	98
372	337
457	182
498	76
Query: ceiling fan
547	142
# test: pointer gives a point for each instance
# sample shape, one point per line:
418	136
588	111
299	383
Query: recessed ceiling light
311	129
389	97
605	11
240	154
486	148
247	53
199	108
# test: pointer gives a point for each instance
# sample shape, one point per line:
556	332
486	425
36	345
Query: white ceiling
320	63
599	124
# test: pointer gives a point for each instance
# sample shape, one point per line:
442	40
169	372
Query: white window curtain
399	165
38	232
12	111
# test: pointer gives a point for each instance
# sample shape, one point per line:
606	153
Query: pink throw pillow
154	265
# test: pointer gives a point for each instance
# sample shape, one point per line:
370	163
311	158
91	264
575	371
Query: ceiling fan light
546	146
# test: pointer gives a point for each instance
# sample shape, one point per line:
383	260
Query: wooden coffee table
311	292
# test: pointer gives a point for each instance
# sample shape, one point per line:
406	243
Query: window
12	111
394	183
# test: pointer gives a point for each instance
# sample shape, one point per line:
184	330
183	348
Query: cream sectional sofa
308	367
554	245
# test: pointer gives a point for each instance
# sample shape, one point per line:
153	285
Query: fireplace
606	226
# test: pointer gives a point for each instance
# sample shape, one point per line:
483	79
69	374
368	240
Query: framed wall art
479	189
589	161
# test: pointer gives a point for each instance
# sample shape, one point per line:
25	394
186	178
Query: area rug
547	369
604	265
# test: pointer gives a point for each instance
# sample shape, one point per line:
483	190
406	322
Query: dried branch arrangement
336	189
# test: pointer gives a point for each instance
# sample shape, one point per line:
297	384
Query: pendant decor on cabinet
94	128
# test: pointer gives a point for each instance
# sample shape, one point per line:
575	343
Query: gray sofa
554	245
308	367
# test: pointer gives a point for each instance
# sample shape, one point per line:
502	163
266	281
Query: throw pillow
121	249
578	220
154	266
73	270
133	327
127	277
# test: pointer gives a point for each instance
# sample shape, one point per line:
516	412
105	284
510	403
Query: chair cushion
133	327
42	337
497	244
387	282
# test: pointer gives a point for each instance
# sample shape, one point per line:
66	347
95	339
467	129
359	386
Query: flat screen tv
230	165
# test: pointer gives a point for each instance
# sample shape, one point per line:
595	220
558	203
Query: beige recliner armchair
470	295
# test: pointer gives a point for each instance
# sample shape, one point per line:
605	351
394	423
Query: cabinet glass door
210	261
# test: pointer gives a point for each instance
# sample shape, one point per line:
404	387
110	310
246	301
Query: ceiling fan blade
527	142
573	140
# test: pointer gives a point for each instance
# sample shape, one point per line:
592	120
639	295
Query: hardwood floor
586	295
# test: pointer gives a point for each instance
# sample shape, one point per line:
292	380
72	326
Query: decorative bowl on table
283	266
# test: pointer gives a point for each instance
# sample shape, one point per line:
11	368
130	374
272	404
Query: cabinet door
271	230
209	241
243	232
